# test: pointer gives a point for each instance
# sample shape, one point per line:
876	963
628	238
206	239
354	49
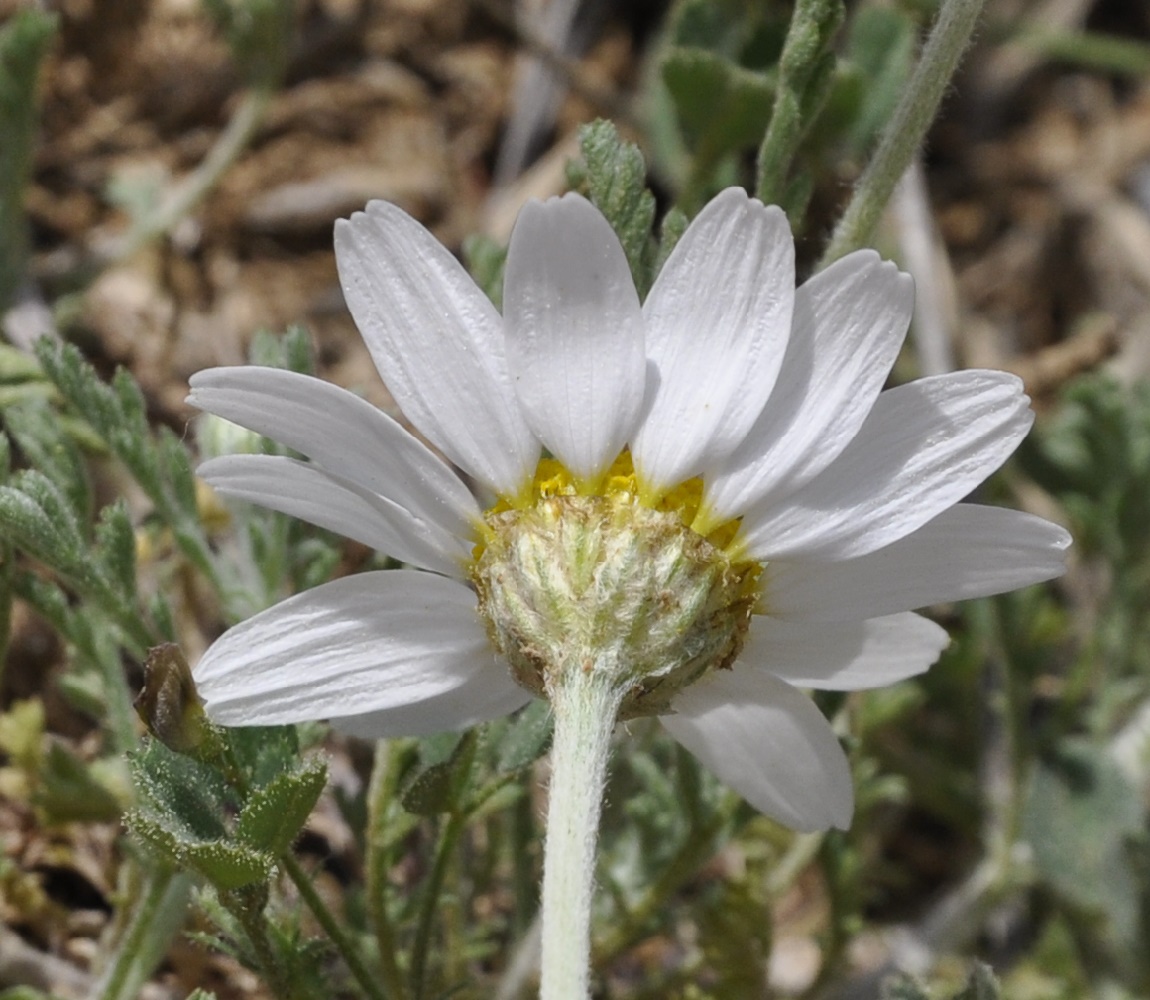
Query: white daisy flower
730	510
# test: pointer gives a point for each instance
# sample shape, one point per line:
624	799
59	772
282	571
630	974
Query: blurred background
170	173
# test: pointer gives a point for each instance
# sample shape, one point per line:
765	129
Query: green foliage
1083	818
452	846
486	260
712	92
291	350
24	41
805	73
981	985
275	813
73	791
1095	458
259	33
441	787
879	53
735	936
117	414
525	738
62	787
186	805
613	174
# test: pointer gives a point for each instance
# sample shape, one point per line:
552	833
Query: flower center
570	579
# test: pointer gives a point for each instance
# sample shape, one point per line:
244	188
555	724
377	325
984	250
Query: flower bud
168	703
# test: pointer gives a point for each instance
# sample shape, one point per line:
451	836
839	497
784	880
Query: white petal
769	743
967	551
574	332
313	495
437	342
844	656
850	321
717	320
342	433
362	644
489	693
924	447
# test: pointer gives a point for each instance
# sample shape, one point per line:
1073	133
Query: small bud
168	703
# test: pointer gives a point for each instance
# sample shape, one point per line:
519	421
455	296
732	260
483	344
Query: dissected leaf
616	181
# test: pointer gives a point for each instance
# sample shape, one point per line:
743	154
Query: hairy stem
585	705
907	127
384	779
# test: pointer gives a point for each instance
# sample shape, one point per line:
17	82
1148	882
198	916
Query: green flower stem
24	42
6	580
343	944
247	906
803	850
187	194
586	705
158	916
803	74
907	127
381	793
444	853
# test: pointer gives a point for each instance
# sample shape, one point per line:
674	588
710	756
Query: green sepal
274	814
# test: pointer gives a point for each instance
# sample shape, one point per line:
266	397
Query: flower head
709	490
